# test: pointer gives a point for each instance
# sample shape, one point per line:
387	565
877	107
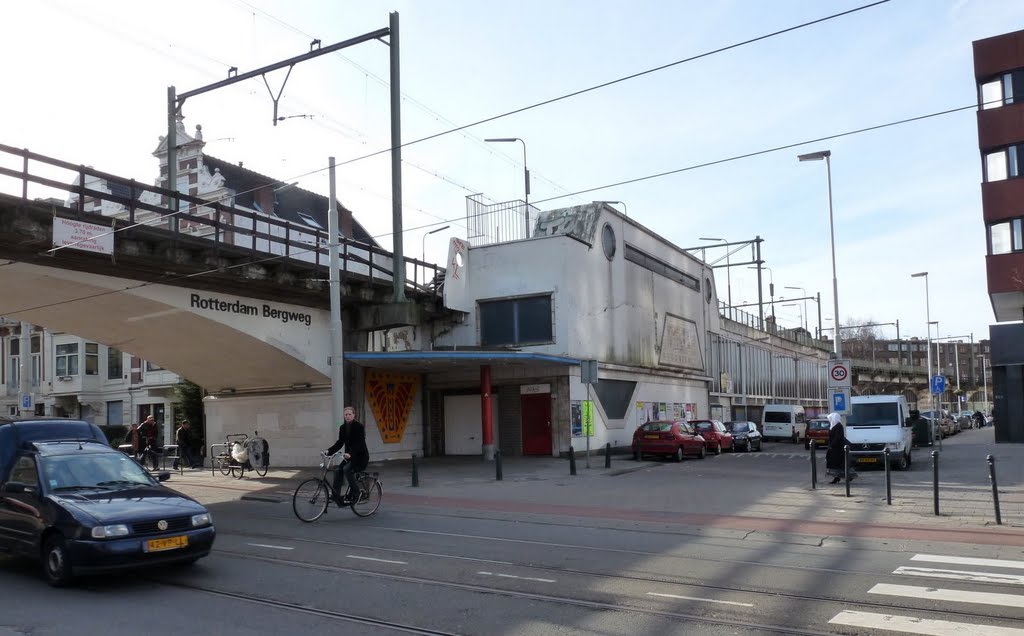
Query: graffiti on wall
391	398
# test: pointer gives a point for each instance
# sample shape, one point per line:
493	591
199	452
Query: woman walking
835	459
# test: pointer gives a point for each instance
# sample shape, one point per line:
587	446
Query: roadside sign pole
588	430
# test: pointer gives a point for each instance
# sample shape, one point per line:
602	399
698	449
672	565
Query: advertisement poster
642	413
664	411
577	418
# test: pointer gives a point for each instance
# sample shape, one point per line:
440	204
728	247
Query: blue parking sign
26	400
938	384
838	401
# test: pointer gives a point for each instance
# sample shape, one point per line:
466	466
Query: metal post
398	257
935	480
814	465
995	488
25	367
846	467
497	464
835	280
588	431
572	461
334	285
608	455
172	156
760	293
415	471
888	479
819	315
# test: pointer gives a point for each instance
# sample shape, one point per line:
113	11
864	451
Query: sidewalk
767	491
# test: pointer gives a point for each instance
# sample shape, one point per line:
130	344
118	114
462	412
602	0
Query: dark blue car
80	506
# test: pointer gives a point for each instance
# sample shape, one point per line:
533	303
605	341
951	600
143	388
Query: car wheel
679	454
807	444
903	463
703	452
637	455
760	443
718	448
56	562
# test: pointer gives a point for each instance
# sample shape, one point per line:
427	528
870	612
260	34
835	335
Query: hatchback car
716	436
817	432
745	435
674	438
81	507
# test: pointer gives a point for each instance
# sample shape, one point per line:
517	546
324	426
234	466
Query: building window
1004	163
1000	90
115	413
1007	236
92	358
658	266
518	321
608	241
114	364
152	366
66	363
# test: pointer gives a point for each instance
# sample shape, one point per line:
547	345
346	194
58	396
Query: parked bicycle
242	453
312	497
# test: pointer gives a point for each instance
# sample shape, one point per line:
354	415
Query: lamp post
424	241
728	275
928	318
771	288
818	156
797	305
526	174
622	203
804	292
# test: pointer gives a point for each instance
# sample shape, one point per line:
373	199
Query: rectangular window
517	321
995	166
66	363
152	366
1001	238
92	358
1017	235
115	413
114	364
992	94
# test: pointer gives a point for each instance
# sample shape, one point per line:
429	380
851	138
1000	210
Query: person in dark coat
835	457
351	437
148	441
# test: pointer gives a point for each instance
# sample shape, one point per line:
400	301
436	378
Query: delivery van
877	422
784	421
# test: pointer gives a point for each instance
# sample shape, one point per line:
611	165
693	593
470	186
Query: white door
462	431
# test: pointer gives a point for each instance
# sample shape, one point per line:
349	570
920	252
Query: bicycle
242	453
312	496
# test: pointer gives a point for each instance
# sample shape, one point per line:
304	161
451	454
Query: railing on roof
267	237
498	222
799	336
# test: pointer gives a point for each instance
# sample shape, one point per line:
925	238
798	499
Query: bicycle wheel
369	499
310	500
224	464
261	469
237	471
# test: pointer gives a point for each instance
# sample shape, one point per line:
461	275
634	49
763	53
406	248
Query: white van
784	421
877	422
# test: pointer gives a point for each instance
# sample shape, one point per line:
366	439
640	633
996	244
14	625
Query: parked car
943	423
817	432
716	436
745	436
80	506
673	438
967	420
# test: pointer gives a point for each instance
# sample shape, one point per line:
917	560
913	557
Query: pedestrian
979	418
835	457
148	441
351	437
183	438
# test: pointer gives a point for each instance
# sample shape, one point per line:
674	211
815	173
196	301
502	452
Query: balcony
1006	285
1001	200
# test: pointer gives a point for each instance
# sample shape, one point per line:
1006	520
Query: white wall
462	432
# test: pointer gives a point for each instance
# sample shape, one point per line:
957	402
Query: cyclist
351	436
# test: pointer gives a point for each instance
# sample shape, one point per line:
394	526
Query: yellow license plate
652	436
868	460
170	543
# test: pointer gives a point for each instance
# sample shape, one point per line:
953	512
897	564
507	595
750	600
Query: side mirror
17	487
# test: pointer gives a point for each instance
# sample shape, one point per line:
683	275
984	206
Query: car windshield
819	424
776	417
739	427
657	427
92	470
703	426
884	414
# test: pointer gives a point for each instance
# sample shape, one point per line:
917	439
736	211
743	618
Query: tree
188	402
859	339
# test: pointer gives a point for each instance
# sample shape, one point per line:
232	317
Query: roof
437	360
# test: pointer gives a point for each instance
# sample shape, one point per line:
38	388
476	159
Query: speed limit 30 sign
839	374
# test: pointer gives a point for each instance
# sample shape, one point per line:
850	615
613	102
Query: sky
87	83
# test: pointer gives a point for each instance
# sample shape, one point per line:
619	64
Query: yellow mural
391	397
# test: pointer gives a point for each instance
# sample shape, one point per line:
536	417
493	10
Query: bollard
888	479
572	461
995	488
497	464
814	466
608	455
415	472
846	467
935	480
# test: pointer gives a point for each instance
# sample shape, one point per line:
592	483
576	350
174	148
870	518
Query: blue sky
91	82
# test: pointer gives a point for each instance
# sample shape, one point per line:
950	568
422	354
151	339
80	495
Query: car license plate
170	543
652	436
868	460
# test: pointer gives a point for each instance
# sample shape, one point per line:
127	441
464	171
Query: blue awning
435	360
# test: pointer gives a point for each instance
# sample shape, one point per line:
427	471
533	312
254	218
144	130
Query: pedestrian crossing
947	568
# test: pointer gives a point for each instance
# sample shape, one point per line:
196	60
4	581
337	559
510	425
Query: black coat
834	459
352	436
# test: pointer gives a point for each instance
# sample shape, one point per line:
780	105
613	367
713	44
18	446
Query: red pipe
485	405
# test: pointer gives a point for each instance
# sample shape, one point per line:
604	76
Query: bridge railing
131	203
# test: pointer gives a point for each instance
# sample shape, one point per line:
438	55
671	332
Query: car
745	436
79	507
674	438
817	432
944	425
716	436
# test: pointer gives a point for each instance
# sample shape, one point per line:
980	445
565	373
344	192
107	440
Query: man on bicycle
351	436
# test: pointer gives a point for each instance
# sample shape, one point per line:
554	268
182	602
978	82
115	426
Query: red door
535	411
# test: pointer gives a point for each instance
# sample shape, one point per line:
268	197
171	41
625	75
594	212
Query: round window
608	241
707	290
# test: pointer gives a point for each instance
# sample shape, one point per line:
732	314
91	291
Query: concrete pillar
485	412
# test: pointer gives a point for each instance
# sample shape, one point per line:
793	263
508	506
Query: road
633	551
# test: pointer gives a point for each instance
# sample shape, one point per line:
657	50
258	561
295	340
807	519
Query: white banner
78	235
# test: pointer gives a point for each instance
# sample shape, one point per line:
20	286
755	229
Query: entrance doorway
535	415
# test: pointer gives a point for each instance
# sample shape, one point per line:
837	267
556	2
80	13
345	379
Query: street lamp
728	275
622	203
818	156
440	229
797	305
526	173
771	287
804	292
928	318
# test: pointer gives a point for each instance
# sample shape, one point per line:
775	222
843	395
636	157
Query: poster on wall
663	408
576	410
641	414
391	398
677	411
691	411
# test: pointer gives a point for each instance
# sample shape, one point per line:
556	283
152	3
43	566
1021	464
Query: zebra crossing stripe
957	596
961	575
991	563
913	625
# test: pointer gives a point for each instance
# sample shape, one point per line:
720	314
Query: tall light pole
818	156
526	174
424	241
728	270
771	288
928	319
797	305
804	292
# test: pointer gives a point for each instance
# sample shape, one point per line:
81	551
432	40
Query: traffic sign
839	374
26	400
841	401
938	384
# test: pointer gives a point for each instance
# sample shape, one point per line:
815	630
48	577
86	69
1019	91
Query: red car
673	438
817	431
716	436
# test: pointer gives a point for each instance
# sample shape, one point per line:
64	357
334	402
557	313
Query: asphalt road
529	564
